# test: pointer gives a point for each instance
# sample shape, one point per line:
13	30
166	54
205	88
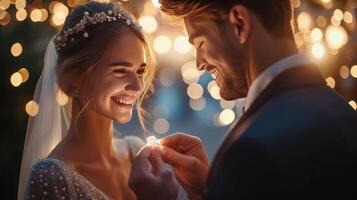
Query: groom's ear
240	18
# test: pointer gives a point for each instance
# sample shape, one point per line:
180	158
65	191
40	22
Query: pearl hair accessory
151	140
118	14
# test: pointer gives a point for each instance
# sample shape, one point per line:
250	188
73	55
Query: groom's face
219	54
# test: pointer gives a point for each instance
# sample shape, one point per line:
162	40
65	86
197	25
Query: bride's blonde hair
80	57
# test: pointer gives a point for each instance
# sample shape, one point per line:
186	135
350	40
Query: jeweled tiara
118	14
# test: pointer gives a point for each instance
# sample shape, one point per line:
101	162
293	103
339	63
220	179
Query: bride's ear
241	21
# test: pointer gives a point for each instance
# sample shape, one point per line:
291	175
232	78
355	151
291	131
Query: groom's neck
270	52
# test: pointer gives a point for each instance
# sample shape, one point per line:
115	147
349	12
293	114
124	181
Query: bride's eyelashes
124	71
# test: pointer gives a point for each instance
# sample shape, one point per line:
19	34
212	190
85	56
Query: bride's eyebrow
125	64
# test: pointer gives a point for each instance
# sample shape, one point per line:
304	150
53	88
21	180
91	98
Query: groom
297	138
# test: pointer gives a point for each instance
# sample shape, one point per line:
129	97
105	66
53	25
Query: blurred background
185	99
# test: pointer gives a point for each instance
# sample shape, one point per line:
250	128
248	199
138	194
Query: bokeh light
161	126
227	116
16	49
353	104
148	23
162	44
336	36
24	74
344	72
32	108
16	79
331	82
182	45
318	50
21	14
354	71
195	91
198	104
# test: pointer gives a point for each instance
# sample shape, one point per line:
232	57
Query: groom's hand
188	156
150	178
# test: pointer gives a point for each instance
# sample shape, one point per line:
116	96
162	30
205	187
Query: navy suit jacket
298	140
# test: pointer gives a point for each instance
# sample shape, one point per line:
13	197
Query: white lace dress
53	179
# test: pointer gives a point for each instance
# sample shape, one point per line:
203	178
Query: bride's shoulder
46	178
48	168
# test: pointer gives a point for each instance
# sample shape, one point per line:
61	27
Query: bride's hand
188	156
150	178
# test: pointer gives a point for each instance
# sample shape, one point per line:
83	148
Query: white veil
47	128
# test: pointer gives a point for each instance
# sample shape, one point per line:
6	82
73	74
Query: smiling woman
103	63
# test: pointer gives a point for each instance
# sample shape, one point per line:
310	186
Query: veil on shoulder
47	128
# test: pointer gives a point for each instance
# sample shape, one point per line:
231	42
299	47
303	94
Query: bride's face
118	80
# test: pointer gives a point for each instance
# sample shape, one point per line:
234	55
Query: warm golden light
338	14
354	71
61	98
36	15
16	79
60	12
227	116
344	72
32	108
156	3
348	17
161	126
24	74
148	23
195	91
304	21
20	4
353	104
336	36
162	44
16	49
21	15
4	4
44	15
5	18
316	35
198	104
321	21
331	82
318	50
182	45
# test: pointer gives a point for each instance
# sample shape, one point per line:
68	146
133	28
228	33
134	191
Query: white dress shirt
268	75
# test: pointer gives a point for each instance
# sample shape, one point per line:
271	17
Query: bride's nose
134	84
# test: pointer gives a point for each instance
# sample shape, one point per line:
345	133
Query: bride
103	63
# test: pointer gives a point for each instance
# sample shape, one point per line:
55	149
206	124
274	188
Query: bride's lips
124	101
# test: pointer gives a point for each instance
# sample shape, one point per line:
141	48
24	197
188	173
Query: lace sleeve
47	180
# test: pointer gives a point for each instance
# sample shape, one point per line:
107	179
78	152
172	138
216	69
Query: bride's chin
123	119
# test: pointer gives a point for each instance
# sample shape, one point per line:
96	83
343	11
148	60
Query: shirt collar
267	76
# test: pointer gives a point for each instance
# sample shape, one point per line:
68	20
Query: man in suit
297	138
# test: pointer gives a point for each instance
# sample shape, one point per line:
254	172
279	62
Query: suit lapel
295	78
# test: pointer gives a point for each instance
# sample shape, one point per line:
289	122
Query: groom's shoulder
302	111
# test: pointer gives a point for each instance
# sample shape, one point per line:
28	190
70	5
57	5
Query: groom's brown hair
275	15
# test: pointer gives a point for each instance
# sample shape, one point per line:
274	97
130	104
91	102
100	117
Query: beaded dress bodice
54	179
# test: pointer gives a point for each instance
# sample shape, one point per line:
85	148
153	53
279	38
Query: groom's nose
200	61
